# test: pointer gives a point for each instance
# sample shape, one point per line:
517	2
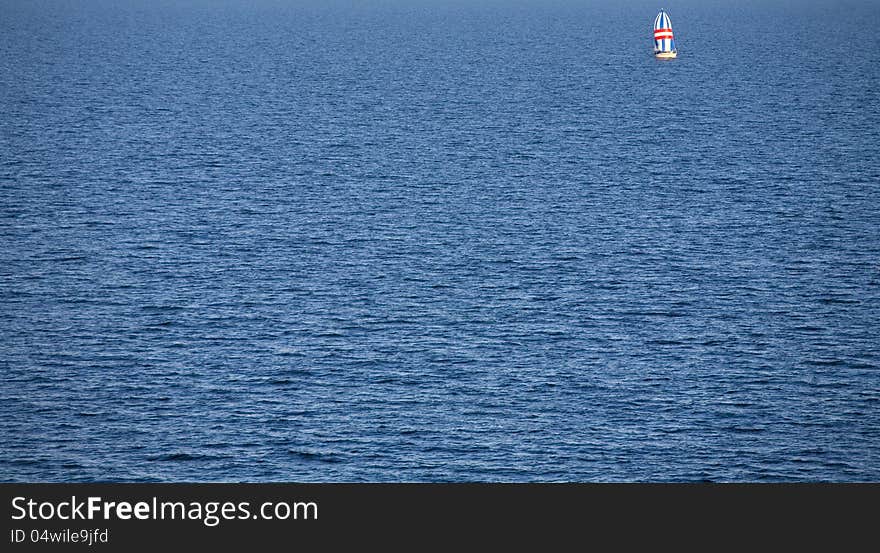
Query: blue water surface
439	241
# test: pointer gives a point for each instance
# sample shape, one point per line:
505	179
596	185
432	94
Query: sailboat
664	42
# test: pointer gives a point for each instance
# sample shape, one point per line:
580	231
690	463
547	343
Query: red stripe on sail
662	35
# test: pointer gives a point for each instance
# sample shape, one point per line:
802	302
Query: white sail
664	41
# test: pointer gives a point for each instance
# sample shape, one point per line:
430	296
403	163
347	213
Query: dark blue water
439	241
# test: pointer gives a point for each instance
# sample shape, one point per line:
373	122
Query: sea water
439	241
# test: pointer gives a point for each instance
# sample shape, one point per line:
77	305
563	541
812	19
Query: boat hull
665	55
